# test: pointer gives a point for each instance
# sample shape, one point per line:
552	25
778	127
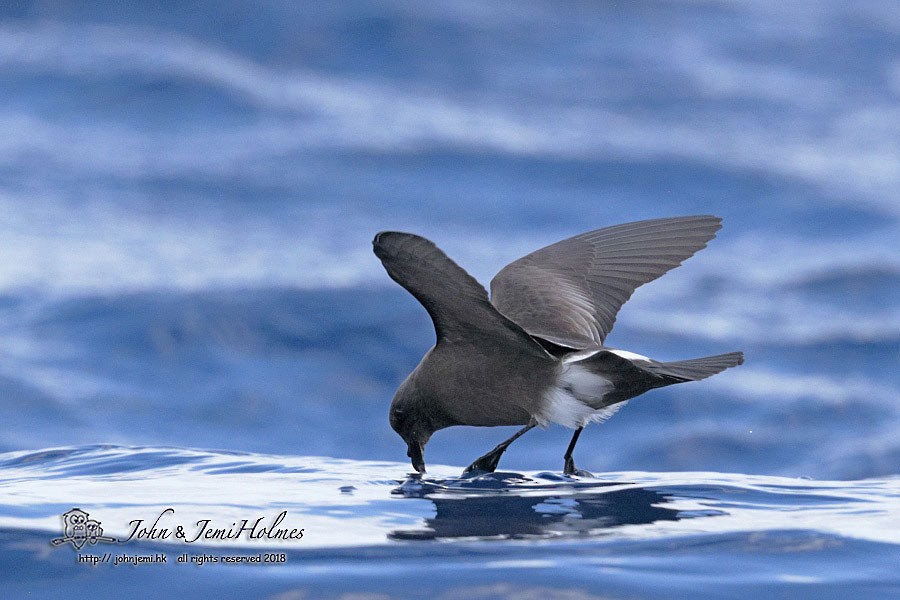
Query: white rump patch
571	400
629	355
580	355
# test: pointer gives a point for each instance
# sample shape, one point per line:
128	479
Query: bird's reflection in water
511	505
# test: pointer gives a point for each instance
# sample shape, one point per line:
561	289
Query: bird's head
412	422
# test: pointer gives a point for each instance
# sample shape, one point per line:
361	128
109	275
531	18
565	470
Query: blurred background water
188	194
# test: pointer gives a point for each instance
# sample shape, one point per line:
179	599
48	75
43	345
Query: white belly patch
571	400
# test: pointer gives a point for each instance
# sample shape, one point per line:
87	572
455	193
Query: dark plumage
533	353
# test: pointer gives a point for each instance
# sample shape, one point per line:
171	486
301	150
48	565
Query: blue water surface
191	316
501	535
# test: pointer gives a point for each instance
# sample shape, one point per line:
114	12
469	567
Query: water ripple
347	503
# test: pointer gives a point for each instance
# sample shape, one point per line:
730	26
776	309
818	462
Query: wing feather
457	303
570	292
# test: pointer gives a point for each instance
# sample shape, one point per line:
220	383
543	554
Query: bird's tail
696	369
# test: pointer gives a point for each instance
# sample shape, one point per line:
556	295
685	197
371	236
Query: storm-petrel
534	353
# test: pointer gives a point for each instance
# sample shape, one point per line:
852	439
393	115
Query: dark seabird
534	354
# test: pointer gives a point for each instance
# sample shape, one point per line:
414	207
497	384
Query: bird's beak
414	452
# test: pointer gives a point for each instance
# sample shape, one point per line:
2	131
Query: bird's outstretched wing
457	303
570	292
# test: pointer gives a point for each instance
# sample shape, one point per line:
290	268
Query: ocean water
368	533
191	316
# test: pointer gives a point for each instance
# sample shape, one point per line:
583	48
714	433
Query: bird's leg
569	468
488	462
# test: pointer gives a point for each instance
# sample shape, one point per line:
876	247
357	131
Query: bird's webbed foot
487	463
571	470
